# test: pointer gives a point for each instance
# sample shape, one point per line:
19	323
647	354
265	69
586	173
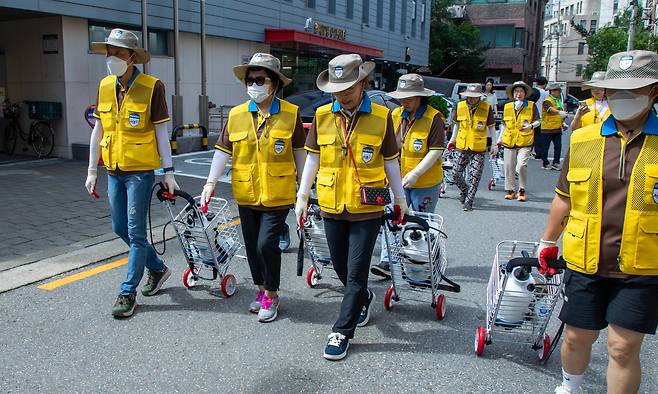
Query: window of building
422	20
413	18
592	25
365	12
331	7
582	23
391	16
571	8
501	36
519	37
403	18
615	6
579	70
158	39
581	48
380	13
310	3
349	9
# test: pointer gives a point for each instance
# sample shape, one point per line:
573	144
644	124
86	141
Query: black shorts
592	302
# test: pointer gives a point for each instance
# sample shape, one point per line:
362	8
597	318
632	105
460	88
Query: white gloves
170	182
410	179
90	183
563	114
207	193
301	212
526	127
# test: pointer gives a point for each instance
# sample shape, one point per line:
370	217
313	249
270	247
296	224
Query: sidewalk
45	210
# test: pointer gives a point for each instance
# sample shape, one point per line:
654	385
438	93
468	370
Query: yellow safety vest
550	121
582	235
263	168
415	147
337	183
129	141
472	133
513	136
593	116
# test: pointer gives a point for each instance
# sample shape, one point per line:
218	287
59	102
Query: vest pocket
326	188
574	241
281	181
105	113
243	187
368	148
281	143
135	116
105	149
328	154
139	150
651	185
579	187
372	177
647	243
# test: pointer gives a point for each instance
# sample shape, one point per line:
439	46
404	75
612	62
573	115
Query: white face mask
518	104
116	66
626	105
258	93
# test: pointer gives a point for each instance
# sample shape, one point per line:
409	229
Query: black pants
546	139
536	142
261	231
351	245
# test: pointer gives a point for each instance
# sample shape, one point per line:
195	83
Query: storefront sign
328	31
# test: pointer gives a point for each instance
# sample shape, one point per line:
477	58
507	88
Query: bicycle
40	136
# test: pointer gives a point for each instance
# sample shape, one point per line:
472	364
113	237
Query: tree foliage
455	49
609	40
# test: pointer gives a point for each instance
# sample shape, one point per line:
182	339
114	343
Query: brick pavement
44	208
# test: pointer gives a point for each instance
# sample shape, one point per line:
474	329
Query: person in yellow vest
607	196
520	117
595	109
552	124
264	137
474	125
351	149
131	137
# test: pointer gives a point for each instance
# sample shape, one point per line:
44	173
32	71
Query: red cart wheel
543	352
188	278
312	277
388	299
480	341
440	306
491	184
229	285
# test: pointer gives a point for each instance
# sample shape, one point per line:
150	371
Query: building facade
564	51
511	30
52	61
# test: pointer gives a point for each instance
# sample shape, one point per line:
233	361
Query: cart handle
313	201
533	262
164	195
391	216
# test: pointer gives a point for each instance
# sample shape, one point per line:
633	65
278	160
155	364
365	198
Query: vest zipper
622	161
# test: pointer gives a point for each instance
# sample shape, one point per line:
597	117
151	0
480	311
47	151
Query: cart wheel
229	285
543	352
440	306
490	184
389	299
311	277
188	278
480	341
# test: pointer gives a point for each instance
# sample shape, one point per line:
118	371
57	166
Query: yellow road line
50	286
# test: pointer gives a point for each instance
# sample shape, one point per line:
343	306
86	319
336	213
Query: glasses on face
259	81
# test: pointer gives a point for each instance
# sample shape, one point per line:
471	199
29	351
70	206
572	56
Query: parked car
310	100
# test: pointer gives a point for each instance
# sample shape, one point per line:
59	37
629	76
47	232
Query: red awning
316	44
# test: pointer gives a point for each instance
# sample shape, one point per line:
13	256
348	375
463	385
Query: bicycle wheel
9	138
42	138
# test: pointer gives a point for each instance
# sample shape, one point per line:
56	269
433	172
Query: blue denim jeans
130	196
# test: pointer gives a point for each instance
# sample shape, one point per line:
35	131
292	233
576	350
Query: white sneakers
563	390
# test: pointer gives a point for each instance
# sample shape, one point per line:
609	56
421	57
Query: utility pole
145	34
203	98
557	44
631	30
177	100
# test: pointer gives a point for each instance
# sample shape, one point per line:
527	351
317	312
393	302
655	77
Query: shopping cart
447	163
208	237
316	243
497	168
520	301
418	260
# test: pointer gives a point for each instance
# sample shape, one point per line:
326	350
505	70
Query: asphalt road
182	340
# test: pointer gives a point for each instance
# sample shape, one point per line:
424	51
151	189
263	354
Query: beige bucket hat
123	39
517	84
262	60
597	76
411	85
344	72
553	86
472	90
630	70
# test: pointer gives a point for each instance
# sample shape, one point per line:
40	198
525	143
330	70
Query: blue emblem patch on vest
133	119
418	145
367	154
655	193
278	146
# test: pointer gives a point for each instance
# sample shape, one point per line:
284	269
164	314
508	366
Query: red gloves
451	145
548	251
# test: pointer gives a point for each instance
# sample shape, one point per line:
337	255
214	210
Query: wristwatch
168	169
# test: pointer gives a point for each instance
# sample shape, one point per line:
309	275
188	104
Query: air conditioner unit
457	11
